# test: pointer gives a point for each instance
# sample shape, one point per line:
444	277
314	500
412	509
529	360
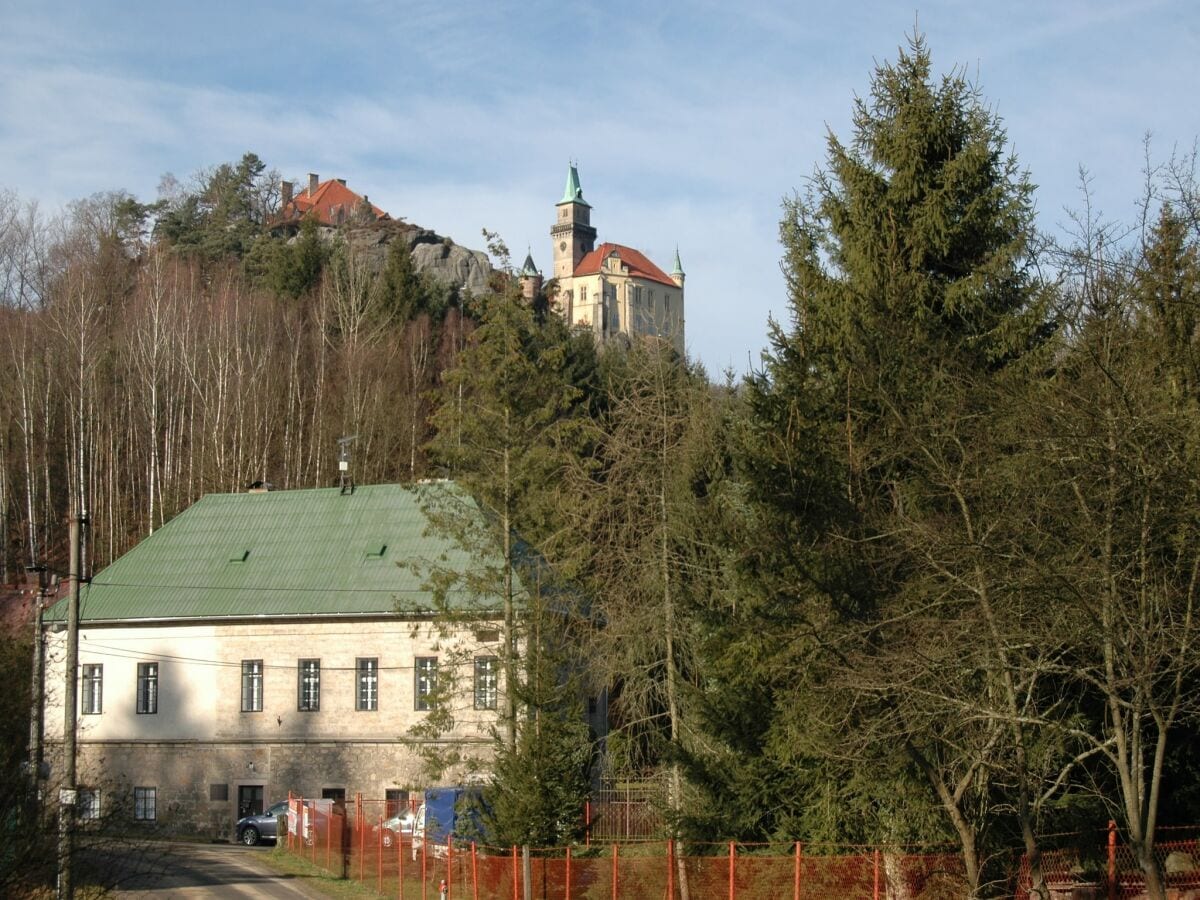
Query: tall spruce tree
911	294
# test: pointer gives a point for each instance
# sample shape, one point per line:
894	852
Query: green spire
678	270
573	193
529	270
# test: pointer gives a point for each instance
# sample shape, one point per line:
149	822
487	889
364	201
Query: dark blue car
252	829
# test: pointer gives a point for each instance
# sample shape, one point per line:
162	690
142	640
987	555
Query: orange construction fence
354	841
351	841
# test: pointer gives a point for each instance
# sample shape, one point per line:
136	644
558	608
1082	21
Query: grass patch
284	862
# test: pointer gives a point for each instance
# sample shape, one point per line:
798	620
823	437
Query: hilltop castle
610	289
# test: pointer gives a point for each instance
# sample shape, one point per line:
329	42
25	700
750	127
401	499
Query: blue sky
690	120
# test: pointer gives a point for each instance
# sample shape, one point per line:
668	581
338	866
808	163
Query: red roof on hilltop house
331	203
637	263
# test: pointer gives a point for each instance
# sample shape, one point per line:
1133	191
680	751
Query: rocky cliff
439	256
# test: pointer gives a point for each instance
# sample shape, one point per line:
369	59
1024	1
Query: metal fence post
400	862
449	866
732	888
615	893
379	857
1112	860
796	877
876	855
670	869
474	873
568	897
515	866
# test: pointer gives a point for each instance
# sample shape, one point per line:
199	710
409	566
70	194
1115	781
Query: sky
690	121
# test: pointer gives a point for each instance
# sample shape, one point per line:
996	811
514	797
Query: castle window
583	293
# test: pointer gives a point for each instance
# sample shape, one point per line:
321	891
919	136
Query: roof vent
377	552
240	557
345	478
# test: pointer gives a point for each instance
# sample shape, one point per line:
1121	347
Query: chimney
285	192
312	184
342	182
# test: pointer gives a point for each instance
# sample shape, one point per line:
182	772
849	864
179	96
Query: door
250	800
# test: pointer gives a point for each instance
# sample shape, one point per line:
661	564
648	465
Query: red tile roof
332	204
637	263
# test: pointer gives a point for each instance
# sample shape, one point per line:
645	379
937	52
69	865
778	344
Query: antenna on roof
346	479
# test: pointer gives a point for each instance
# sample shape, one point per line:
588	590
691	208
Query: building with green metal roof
318	552
284	640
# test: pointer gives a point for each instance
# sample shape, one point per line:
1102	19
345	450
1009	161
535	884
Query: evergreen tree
909	274
539	785
501	428
225	214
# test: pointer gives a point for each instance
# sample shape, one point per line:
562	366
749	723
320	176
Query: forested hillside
155	352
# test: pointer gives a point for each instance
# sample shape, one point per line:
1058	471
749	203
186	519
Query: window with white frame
88	804
147	688
252	685
145	804
486	682
426	683
92	695
309	688
368	685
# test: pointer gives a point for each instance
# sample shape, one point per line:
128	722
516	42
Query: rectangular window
485	682
252	685
583	293
309	699
395	801
368	685
93	690
88	804
147	688
145	804
426	683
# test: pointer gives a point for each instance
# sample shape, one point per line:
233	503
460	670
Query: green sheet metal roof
573	193
289	553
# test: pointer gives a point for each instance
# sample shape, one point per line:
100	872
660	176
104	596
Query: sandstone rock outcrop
432	253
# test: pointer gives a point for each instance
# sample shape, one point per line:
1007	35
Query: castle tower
677	275
531	279
572	232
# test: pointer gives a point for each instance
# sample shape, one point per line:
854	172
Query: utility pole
66	794
39	674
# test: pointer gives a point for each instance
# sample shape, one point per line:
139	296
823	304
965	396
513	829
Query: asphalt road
197	871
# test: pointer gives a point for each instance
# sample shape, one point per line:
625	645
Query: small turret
530	279
677	273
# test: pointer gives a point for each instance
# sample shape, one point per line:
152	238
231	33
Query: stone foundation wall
188	777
